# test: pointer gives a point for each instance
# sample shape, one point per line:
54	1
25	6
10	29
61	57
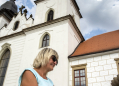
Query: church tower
60	19
55	25
7	11
60	8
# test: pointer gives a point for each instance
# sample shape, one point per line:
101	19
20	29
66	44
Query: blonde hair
43	57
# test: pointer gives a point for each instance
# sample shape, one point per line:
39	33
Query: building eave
12	35
46	24
116	50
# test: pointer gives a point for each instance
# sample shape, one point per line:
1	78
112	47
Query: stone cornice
12	35
55	21
46	24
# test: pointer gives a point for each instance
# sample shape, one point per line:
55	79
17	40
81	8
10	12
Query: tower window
45	41
3	66
16	25
50	15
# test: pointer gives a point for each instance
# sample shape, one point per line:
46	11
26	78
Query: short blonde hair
43	57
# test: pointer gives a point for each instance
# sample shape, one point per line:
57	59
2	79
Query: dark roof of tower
10	5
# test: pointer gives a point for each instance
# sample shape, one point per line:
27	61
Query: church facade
56	25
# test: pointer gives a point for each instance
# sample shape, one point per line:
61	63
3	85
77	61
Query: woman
44	62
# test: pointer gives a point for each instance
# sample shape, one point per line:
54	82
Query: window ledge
79	65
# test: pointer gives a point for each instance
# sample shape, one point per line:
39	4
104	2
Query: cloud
94	33
32	1
96	14
2	1
99	0
103	15
31	11
31	8
19	3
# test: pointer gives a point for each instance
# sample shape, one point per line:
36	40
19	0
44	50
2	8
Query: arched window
50	15
16	25
45	41
3	65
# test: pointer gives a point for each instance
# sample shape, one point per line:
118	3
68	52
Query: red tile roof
100	43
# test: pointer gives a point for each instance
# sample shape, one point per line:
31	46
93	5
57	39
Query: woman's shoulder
28	74
31	70
28	78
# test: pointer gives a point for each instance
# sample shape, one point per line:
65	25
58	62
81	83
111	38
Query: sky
99	16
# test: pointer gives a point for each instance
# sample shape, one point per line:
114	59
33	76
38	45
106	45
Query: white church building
56	25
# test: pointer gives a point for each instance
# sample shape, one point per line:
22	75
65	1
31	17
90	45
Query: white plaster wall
72	11
27	47
59	6
58	41
3	21
100	69
17	46
73	39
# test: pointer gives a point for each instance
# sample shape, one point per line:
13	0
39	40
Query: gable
23	23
